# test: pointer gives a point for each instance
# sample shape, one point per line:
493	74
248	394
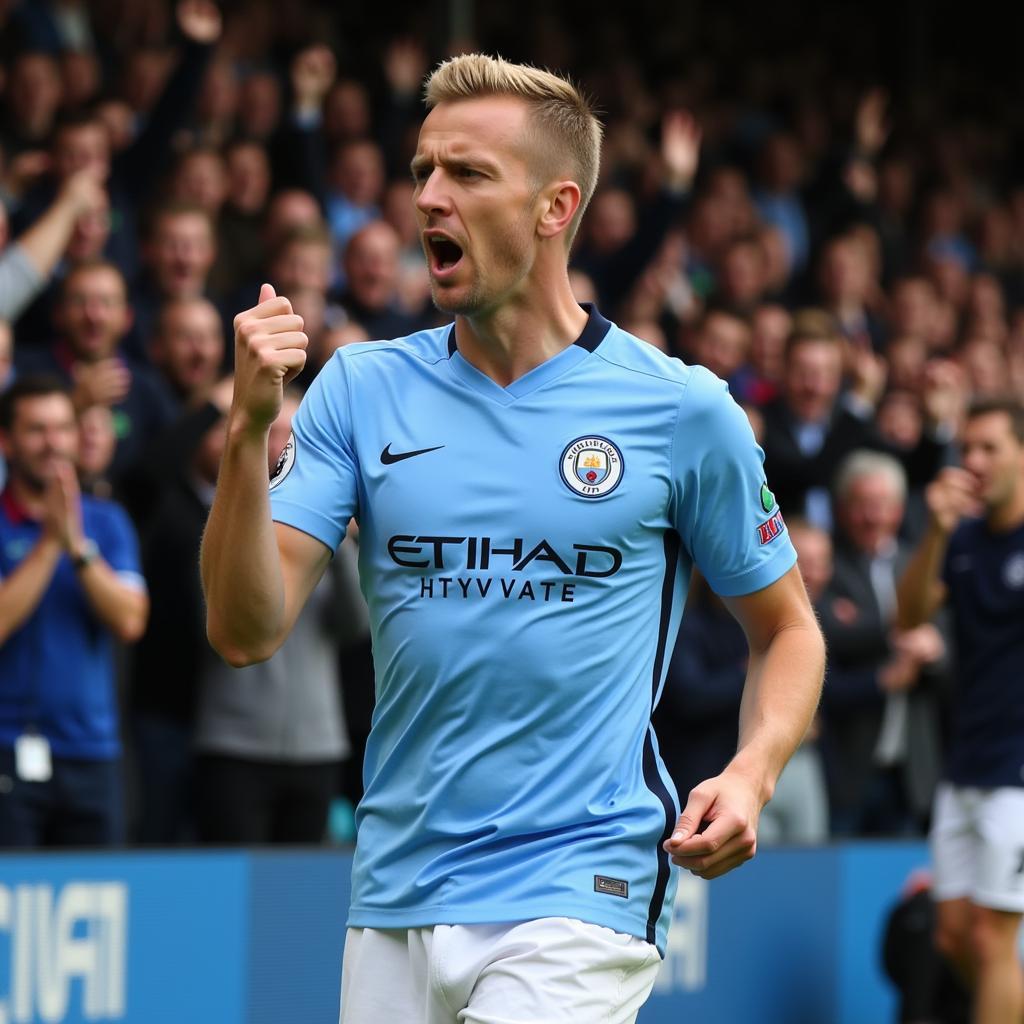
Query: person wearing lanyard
70	586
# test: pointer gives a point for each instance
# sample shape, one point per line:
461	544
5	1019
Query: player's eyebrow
476	160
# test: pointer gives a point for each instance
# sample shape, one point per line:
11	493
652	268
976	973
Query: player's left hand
717	830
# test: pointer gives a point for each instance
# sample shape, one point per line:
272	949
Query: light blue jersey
525	552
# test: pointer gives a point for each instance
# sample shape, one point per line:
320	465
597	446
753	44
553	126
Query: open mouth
444	254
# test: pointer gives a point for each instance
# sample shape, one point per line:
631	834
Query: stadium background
797	934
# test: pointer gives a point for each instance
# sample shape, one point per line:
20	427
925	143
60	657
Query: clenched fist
270	351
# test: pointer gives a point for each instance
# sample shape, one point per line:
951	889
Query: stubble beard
511	264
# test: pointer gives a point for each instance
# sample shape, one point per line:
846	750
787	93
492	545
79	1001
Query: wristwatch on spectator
85	555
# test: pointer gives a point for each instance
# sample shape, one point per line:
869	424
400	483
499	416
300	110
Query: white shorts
554	969
977	843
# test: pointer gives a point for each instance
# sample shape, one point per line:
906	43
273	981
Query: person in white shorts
533	486
972	555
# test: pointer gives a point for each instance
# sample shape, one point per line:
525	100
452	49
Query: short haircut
175	209
863	463
1009	406
716	307
87	266
305	234
812	325
168	306
32	385
560	114
69	120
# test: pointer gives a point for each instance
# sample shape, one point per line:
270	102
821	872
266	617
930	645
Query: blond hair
559	113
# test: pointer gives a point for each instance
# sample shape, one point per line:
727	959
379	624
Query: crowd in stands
850	261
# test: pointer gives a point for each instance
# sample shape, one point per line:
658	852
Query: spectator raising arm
26	266
921	590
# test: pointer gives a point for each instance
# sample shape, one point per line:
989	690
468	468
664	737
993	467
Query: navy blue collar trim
593	333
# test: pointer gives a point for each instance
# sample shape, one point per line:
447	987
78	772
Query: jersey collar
594	332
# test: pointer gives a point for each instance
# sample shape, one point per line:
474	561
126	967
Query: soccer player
972	555
532	487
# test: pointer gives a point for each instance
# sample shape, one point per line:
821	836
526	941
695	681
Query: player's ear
560	201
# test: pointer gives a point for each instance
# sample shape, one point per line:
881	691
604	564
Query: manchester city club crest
284	464
591	466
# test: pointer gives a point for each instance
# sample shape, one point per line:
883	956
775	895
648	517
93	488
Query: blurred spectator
81	140
200	179
188	348
32	99
721	342
92	317
96	443
302	261
355	189
618	241
742	275
239	229
271	736
770	325
217	105
913	311
6	376
69	586
777	195
290	212
259	106
81	76
883	696
811	427
171	492
847	290
178	254
26	264
413	281
371	275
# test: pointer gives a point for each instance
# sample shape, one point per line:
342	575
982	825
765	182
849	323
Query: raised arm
921	590
787	664
256	575
40	246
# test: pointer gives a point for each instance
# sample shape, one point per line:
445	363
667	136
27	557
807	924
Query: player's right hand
952	495
270	351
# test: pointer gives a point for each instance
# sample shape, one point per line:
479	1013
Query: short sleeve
118	542
725	512
314	484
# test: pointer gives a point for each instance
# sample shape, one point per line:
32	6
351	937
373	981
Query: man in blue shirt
69	586
972	555
532	486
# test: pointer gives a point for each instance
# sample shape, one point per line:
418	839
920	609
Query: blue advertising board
256	938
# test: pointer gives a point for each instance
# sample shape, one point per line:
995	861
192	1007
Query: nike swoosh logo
388	457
